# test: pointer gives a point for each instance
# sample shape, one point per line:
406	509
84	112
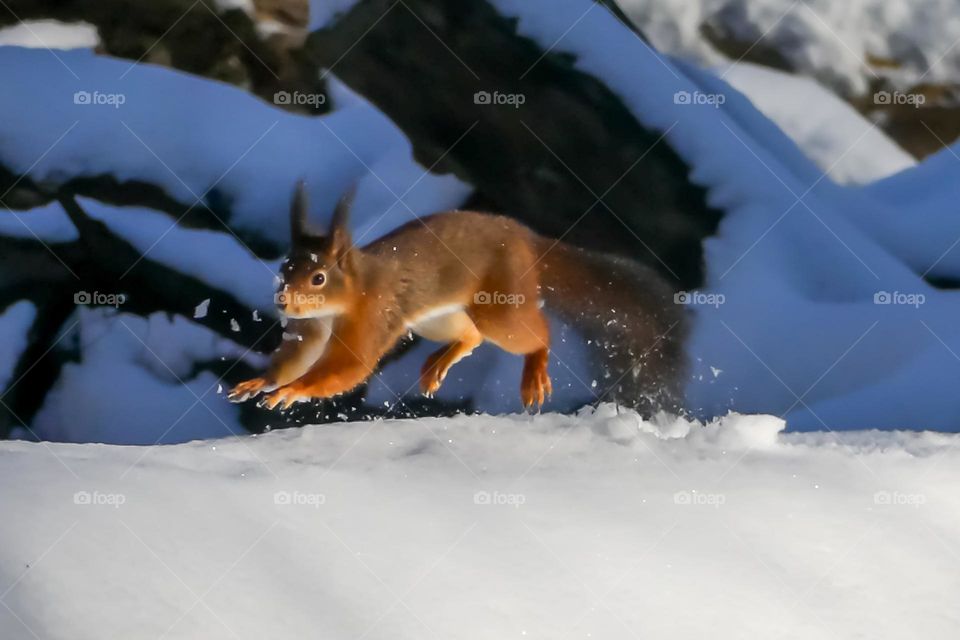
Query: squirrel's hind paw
535	389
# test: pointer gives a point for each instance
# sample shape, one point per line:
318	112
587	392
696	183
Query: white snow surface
830	40
50	34
846	146
596	525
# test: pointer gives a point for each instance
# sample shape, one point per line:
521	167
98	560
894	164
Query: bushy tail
628	315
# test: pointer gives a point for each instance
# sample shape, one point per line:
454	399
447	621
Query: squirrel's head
318	278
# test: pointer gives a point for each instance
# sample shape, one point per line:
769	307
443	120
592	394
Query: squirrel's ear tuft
340	237
298	213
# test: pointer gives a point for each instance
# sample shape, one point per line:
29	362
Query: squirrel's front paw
285	397
248	389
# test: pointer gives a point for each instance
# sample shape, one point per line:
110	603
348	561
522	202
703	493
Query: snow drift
816	305
598	525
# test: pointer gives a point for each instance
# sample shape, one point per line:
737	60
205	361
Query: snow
749	167
844	144
833	41
799	259
324	12
136	382
246	6
168	128
817	324
50	34
48	223
218	258
596	525
201	310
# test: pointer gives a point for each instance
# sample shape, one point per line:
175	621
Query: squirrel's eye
318	279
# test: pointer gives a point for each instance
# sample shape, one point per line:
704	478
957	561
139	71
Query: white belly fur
442	324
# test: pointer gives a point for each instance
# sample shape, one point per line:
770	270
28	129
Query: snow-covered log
58	269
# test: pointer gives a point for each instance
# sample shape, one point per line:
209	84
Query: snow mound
815	306
597	525
143	122
848	147
849	45
50	34
143	369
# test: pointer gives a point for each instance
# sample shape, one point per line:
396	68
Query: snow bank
136	382
165	127
847	44
821	314
217	258
50	34
844	144
549	527
816	309
48	223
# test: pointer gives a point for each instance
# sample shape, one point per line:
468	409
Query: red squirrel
462	278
